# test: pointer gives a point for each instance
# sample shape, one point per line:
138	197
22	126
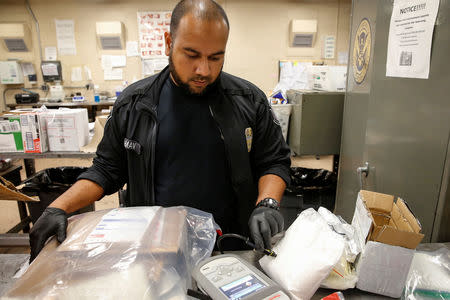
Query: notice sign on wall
410	37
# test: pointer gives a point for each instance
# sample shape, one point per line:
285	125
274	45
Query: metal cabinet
400	126
315	123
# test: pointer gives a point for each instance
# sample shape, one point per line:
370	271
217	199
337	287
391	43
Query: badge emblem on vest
249	138
132	145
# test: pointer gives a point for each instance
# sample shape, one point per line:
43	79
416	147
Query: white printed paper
120	226
88	73
50	69
113	74
76	74
50	53
118	61
113	61
28	69
361	222
148	67
329	46
160	63
410	37
152	66
132	48
151	26
342	58
293	75
65	36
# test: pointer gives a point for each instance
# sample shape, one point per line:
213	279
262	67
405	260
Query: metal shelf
62	154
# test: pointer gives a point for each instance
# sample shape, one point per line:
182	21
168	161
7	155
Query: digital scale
228	276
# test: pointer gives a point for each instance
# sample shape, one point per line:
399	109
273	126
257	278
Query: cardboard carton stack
38	131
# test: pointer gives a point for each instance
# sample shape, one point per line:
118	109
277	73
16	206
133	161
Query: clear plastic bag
124	253
429	276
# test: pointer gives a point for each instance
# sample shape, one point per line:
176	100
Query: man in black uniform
191	135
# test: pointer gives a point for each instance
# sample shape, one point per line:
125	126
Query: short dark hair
210	11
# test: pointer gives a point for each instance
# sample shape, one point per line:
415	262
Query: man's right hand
52	221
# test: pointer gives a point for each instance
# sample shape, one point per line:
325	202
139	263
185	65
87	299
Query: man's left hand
264	223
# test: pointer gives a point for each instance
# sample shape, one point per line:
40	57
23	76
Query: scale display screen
242	287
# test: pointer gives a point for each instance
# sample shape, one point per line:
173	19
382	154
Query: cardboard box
34	132
10	133
387	232
67	129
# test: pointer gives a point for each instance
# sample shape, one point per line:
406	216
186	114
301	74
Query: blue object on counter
78	98
97	98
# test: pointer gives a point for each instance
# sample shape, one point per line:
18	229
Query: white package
67	129
305	256
34	132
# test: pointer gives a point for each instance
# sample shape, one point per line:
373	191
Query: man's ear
168	39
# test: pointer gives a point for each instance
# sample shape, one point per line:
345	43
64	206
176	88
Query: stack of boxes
38	131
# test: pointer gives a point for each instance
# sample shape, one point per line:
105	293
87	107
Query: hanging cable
27	3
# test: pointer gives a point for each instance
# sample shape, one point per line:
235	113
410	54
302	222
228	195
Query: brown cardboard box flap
392	236
392	223
399	221
9	192
377	201
408	215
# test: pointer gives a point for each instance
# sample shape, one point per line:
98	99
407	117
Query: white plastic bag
305	256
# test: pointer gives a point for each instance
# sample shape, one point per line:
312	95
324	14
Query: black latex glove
52	221
264	223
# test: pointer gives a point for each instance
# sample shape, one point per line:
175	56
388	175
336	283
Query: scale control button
216	278
229	274
239	269
225	269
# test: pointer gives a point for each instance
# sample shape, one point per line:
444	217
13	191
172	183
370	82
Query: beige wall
258	39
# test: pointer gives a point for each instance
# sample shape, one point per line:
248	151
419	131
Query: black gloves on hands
52	221
264	223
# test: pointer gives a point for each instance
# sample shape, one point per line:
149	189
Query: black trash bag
49	184
316	187
304	178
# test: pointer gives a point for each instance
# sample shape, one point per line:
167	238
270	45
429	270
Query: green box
10	133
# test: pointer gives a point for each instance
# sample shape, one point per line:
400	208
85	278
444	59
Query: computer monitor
51	70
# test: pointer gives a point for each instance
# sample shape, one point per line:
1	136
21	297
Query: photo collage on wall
152	26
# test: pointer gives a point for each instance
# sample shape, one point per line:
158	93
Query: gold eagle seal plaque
361	51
